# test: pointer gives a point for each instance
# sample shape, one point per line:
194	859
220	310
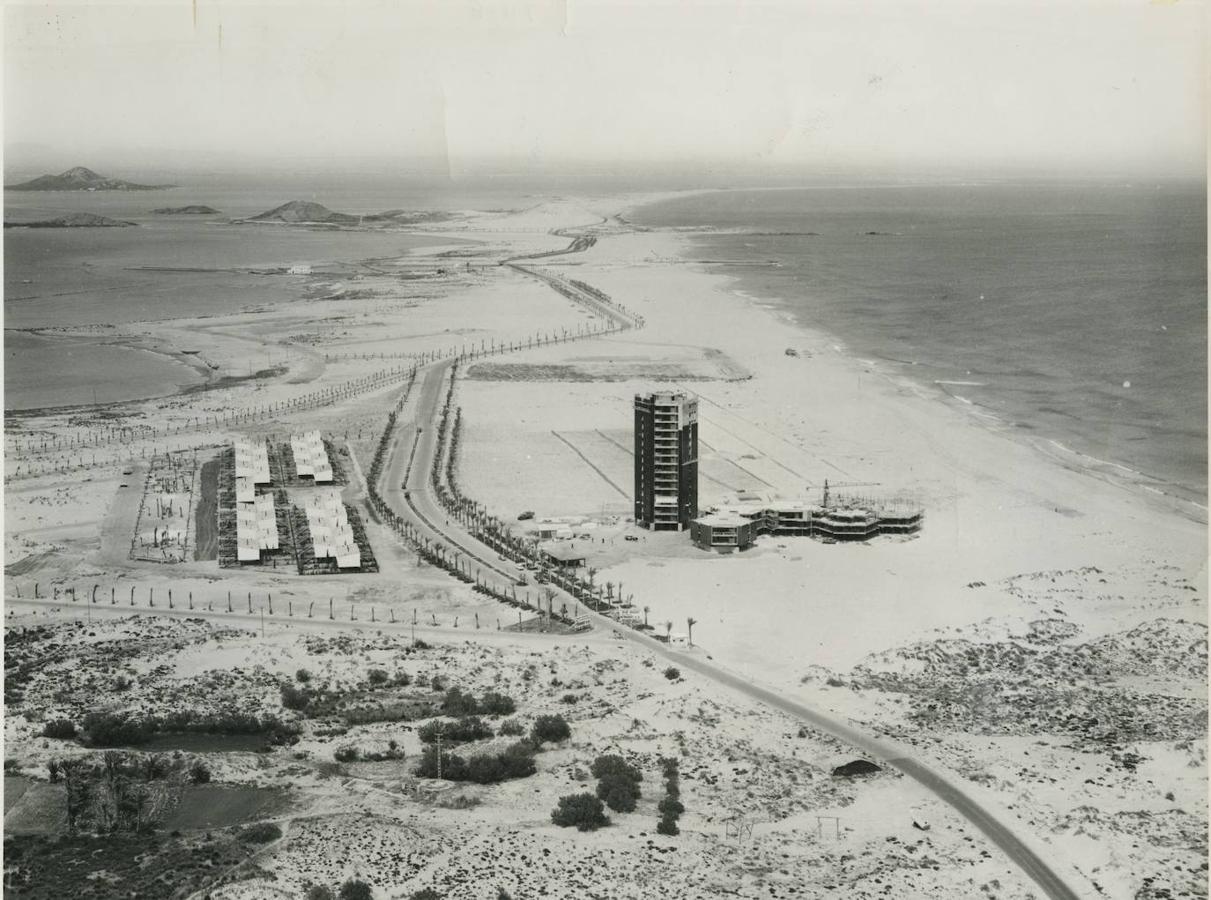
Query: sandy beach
1026	552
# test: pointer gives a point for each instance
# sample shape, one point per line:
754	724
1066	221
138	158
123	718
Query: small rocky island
82	179
75	220
307	212
304	212
191	210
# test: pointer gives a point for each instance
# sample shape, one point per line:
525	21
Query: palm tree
646	610
690	622
668	630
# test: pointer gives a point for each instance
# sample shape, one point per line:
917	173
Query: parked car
631	537
528	514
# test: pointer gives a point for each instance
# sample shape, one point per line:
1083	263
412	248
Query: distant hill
82	179
192	210
75	220
304	212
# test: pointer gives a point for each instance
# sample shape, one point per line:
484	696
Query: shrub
672	673
121	683
199	773
612	764
115	730
295	698
355	889
551	729
584	811
261	833
426	894
468	728
302	676
378	676
619	794
516	761
496	704
511	728
671	808
569	698
667	826
456	703
63	729
319	892
345	754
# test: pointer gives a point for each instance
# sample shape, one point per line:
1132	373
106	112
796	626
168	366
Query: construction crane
838	484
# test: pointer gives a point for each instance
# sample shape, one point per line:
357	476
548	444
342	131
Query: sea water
1075	312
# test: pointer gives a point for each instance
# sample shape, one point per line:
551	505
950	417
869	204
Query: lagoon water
58	278
1076	312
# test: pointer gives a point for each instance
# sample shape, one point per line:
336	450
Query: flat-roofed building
724	531
666	460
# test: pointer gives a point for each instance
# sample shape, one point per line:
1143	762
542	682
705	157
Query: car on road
631	537
528	514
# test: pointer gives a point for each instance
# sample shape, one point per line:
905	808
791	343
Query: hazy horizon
880	89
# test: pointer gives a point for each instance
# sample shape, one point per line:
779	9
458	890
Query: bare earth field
1042	640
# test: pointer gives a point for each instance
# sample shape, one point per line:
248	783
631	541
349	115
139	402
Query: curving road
421	506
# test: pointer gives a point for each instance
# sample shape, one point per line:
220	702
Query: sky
535	85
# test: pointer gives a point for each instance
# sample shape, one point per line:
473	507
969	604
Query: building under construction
666	460
736	525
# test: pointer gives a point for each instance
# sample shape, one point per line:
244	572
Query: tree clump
550	729
515	761
617	782
467	728
670	807
62	729
581	811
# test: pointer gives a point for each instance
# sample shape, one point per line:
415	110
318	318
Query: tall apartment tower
666	460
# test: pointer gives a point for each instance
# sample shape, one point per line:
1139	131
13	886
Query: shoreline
1191	502
193	362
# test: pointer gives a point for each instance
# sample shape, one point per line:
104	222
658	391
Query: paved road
424	509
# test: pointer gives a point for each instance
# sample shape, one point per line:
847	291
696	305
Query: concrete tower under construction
666	460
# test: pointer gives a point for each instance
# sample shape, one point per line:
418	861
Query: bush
345	754
468	728
115	730
672	673
584	811
617	782
355	889
551	729
426	894
495	704
378	676
63	729
261	833
295	698
456	703
671	808
511	728
612	764
516	761
619	794
302	676
319	892
199	773
667	826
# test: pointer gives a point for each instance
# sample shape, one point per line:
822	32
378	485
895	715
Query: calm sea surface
1078	312
91	276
